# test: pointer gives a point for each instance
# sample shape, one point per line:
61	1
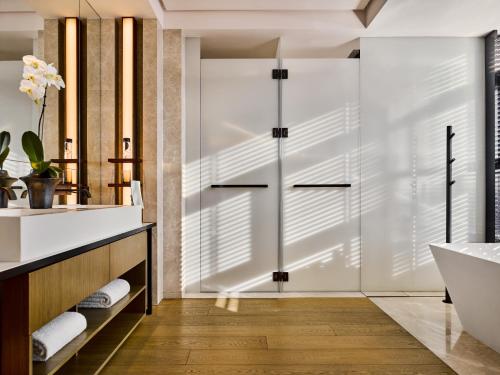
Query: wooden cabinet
36	297
56	288
127	253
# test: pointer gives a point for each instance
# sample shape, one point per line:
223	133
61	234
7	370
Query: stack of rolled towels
107	296
56	334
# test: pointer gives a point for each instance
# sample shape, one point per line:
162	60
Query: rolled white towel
107	296
57	333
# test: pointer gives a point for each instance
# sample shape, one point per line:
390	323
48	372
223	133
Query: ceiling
15	6
321	28
267	5
19	26
323	32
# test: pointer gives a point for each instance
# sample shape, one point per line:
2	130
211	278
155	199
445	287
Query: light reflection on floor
436	325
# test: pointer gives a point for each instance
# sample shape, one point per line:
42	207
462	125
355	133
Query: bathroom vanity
471	272
93	246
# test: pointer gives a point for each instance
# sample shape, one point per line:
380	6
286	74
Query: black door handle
322	185
239	186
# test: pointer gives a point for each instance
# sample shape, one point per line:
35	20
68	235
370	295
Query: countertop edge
35	264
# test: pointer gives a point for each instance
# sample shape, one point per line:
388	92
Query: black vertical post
449	184
490	42
149	272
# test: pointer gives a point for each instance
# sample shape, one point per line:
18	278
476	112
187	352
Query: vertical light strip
71	95
128	96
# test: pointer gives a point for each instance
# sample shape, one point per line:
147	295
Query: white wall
16	115
191	168
411	89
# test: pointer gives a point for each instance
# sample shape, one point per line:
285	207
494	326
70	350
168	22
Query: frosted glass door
321	244
239	175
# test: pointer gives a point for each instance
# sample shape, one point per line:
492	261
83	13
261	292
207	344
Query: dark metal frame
149	271
489	135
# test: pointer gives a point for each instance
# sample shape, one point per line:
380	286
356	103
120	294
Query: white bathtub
471	271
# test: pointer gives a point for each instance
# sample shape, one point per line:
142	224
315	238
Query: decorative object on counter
107	296
38	76
44	178
6	181
68	154
127	154
56	334
136	194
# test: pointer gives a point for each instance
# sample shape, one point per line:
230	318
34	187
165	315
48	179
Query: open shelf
97	320
101	348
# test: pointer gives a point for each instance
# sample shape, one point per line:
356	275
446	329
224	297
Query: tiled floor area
437	326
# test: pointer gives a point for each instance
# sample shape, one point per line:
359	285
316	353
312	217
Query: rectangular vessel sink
27	234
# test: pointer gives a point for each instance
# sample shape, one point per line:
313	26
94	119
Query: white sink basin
27	234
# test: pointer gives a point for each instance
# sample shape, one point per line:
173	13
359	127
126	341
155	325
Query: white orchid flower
53	79
38	76
59	82
34	62
34	75
35	92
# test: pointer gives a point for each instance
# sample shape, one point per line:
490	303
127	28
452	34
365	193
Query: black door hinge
280	132
280	276
280	73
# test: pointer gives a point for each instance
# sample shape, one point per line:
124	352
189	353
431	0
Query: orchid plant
38	76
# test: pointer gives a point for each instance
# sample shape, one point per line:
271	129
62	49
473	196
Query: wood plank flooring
317	336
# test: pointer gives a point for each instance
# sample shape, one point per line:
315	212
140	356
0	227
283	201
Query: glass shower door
321	181
239	175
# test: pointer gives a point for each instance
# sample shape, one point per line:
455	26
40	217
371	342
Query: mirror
19	35
22	33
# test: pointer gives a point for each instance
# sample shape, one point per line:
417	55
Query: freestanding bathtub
471	271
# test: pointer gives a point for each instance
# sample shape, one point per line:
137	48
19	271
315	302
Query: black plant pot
4	198
6	192
40	190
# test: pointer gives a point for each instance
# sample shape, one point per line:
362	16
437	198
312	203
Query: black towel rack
322	185
219	186
449	183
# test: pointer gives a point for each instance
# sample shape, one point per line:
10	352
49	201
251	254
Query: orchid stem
42	117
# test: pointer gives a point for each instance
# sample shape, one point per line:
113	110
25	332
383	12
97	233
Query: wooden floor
272	336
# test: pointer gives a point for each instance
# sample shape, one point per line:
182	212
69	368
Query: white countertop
29	234
14	268
485	251
56	209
